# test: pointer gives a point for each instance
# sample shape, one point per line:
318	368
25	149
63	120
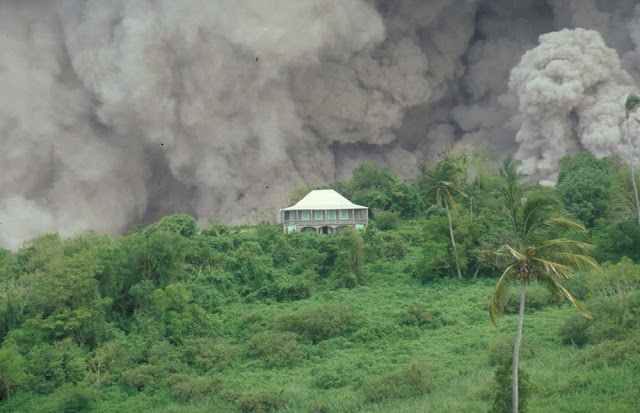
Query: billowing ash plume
116	112
570	90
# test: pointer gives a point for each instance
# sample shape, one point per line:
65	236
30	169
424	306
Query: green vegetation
631	105
540	250
173	318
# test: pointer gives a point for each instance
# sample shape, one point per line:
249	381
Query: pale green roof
323	199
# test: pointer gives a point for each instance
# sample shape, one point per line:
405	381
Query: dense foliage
247	319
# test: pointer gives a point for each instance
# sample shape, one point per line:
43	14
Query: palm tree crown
537	253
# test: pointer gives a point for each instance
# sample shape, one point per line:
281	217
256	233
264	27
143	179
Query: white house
323	211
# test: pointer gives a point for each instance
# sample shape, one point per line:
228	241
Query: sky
119	112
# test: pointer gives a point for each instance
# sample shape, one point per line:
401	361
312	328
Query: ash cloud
116	112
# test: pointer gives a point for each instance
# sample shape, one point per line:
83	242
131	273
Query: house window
287	215
317	215
344	214
331	215
305	215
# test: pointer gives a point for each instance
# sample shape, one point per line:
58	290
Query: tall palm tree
631	104
536	253
441	184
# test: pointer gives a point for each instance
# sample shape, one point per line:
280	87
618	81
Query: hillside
174	318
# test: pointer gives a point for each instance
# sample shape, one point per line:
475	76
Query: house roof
324	199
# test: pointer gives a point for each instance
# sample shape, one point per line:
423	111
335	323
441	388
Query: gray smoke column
117	112
571	91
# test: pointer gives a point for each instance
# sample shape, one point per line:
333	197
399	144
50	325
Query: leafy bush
537	297
418	315
614	241
383	245
52	365
348	268
584	185
298	287
182	224
411	380
334	377
263	402
277	348
69	398
12	371
320	323
503	400
615	304
611	353
142	377
186	388
436	257
575	330
207	353
386	220
502	349
319	405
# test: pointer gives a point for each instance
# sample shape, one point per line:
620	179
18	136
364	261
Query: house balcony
323	222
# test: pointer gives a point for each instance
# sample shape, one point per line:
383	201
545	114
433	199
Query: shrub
333	377
349	261
70	399
418	315
386	220
575	330
383	245
263	402
277	348
502	400
12	371
320	323
612	353
537	297
411	380
502	348
189	388
319	405
294	288
207	353
141	377
54	364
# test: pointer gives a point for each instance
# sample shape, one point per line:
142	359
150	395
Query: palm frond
563	245
501	257
492	257
578	261
561	223
559	288
562	271
509	251
500	295
536	213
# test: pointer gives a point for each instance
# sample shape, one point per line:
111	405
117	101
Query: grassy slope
457	354
334	374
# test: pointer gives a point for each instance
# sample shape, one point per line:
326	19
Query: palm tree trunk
453	241
516	351
633	175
